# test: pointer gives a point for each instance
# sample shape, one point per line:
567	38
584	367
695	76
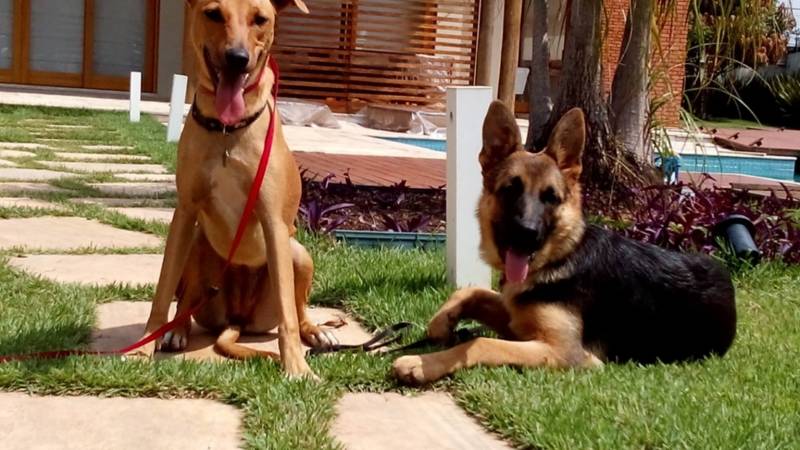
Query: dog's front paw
317	337
299	369
415	370
440	328
176	340
146	351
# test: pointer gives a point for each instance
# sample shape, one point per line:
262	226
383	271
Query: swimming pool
439	145
776	168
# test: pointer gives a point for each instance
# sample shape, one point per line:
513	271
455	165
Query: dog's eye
549	196
214	15
512	188
260	20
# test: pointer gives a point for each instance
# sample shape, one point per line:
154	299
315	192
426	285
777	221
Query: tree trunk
630	103
490	10
581	84
540	103
512	22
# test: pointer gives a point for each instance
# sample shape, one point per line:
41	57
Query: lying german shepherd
573	295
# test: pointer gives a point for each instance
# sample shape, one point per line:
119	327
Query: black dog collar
215	126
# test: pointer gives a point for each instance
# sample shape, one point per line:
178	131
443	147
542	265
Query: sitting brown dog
219	151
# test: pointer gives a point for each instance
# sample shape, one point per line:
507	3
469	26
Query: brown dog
573	294
268	284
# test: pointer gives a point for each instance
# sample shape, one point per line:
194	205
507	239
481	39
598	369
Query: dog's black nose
237	59
525	232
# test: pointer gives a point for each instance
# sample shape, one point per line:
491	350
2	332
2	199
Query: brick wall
668	58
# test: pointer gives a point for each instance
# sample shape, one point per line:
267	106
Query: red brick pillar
668	57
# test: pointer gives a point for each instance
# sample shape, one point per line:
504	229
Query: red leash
249	207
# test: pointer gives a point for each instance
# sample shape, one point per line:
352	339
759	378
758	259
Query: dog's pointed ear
567	142
501	136
281	4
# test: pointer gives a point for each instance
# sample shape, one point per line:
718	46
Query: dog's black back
641	303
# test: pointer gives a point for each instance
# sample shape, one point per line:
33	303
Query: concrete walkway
78	250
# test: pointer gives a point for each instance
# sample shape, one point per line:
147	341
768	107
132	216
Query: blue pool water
780	169
761	167
439	145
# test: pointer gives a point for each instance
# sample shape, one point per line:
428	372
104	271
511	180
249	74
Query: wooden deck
755	185
418	173
772	141
422	173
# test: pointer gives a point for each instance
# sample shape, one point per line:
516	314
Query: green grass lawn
749	399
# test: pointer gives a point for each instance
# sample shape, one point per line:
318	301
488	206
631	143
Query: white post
136	96
466	109
176	107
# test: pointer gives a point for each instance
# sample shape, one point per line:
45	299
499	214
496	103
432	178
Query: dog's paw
591	361
440	328
298	370
144	352
175	340
414	370
317	337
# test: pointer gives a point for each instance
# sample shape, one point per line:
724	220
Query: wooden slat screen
351	52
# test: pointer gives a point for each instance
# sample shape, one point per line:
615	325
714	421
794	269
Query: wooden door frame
20	72
96	81
13	74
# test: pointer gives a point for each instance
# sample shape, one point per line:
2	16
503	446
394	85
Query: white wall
793	62
170	45
555	23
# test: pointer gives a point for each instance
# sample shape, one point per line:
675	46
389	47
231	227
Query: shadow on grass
45	339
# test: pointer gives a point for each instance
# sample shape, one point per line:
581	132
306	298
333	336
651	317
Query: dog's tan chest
221	210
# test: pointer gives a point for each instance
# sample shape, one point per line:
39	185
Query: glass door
78	43
120	39
55	42
6	39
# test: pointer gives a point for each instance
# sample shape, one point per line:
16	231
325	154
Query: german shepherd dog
573	294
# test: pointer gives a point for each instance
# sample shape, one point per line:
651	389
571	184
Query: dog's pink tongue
230	99
516	267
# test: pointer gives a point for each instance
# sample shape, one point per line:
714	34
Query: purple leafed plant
317	218
412	225
683	217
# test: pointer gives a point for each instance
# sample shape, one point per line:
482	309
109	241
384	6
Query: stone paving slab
68	127
154	214
7	163
122	323
23	145
112	202
67	233
90	423
15	188
16	154
60	141
432	420
75	156
21	174
135	189
105	167
130	270
107	147
162	177
25	202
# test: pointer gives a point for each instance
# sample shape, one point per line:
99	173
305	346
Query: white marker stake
466	109
136	96
176	106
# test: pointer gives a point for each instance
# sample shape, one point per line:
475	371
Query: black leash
392	335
